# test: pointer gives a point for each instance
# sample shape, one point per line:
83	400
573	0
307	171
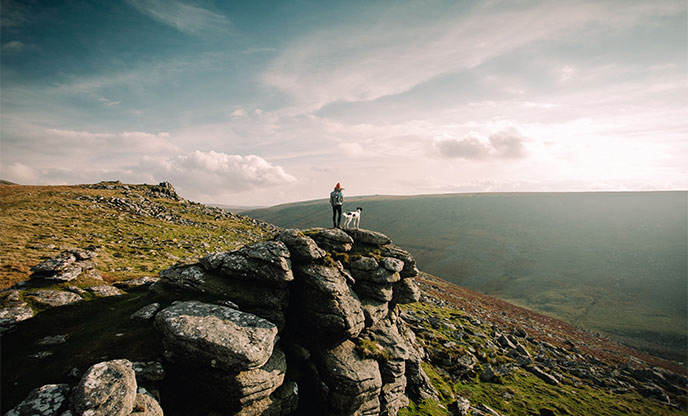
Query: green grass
519	393
39	222
614	263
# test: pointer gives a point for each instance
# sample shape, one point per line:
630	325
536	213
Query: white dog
353	218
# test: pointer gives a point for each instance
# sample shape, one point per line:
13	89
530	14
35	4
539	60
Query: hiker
336	200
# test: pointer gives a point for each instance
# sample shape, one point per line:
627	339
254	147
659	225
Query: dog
353	218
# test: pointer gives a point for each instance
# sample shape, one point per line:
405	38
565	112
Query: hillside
455	352
609	262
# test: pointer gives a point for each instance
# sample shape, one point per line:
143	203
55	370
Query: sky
257	103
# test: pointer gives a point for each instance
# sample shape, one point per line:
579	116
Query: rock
354	382
410	269
368	237
387	335
64	267
381	292
326	305
483	410
146	405
405	291
47	400
149	371
494	375
505	342
547	378
256	384
367	269
107	388
301	247
374	311
207	335
288	398
418	383
267	261
53	340
12	315
269	301
146	312
54	298
460	407
392	264
138	282
331	239
104	291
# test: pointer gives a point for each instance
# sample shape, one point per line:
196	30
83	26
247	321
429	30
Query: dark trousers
336	215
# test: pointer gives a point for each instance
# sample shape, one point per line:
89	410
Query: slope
609	262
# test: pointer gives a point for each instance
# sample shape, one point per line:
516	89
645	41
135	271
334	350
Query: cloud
184	17
351	63
108	102
216	172
505	144
239	113
20	173
13	46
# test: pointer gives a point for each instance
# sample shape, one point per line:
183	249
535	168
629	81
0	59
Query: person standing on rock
336	200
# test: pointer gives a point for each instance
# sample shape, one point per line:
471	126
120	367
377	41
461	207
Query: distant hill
4	182
609	262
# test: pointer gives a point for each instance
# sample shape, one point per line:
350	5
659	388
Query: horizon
246	104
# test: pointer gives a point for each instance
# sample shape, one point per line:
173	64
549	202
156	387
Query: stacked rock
308	301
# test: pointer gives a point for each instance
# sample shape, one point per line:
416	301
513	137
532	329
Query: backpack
336	198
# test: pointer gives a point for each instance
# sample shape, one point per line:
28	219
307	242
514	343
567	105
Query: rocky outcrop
286	306
66	266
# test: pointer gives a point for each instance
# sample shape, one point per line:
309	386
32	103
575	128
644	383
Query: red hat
338	186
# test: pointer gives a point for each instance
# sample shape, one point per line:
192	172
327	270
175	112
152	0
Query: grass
518	393
39	222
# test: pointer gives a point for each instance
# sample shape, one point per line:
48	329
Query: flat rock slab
104	291
146	312
107	388
267	261
138	282
12	315
368	237
54	298
47	400
331	239
215	336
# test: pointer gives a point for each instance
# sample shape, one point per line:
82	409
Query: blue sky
265	102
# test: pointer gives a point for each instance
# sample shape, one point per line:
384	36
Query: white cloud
108	102
216	172
239	113
184	17
505	144
566	73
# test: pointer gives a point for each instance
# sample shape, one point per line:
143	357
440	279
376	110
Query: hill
609	262
454	352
